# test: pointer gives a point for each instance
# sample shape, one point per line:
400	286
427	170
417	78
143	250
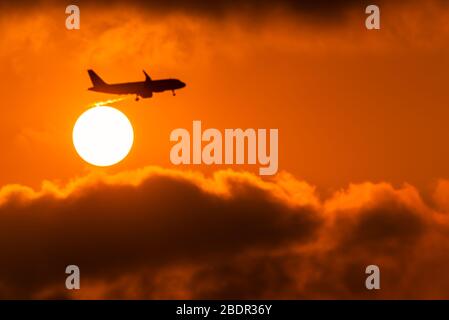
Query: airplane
142	89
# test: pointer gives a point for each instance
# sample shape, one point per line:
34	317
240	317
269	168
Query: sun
103	136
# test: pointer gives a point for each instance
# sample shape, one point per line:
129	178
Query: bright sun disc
103	136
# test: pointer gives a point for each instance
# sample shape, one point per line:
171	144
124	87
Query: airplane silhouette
142	89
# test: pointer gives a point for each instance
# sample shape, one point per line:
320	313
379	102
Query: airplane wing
147	77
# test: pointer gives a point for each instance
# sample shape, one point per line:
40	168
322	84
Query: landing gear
137	98
174	93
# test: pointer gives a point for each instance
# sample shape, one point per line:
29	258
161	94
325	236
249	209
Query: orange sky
351	105
359	112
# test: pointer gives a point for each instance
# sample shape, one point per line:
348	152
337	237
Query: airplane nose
183	84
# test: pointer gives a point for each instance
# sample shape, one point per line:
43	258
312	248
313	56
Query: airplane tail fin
96	80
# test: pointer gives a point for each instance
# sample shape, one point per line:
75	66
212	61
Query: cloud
112	227
157	233
322	10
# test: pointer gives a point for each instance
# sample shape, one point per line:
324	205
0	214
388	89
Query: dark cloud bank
166	234
328	9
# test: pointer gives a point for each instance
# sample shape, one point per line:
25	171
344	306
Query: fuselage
142	88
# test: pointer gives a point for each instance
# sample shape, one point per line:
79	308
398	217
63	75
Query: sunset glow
224	149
